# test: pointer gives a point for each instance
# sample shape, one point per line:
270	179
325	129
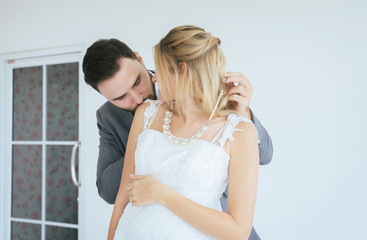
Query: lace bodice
198	171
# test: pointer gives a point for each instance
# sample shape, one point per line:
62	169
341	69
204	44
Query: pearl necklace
192	139
167	131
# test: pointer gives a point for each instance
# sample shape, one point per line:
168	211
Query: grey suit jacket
114	126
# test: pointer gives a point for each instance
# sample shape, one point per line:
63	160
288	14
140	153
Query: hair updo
205	61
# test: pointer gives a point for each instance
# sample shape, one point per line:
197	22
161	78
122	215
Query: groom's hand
240	92
144	190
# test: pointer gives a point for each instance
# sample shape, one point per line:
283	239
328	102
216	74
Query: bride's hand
145	190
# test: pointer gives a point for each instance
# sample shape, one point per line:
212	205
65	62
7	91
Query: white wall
306	61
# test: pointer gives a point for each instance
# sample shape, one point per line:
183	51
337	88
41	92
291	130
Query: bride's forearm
118	210
121	202
212	222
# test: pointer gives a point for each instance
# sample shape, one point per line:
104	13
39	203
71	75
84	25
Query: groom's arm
110	162
239	94
113	129
265	145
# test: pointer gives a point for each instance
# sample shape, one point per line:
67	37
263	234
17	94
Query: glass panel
27	103
61	193
25	231
27	181
61	233
62	102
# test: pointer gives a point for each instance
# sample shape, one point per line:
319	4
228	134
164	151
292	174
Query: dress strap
226	133
220	132
150	112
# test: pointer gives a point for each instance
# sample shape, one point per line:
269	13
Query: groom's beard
152	96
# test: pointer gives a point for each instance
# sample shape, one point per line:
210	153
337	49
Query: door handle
72	164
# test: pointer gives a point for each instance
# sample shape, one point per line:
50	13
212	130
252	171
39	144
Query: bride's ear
183	68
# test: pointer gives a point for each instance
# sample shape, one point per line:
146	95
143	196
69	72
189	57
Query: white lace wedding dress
198	171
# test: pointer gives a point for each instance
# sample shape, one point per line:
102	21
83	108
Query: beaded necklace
196	136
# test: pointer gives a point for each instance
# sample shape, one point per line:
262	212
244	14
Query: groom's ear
140	58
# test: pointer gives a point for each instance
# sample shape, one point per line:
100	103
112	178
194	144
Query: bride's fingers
129	186
138	177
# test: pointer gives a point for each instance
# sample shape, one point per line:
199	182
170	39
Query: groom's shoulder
110	109
109	113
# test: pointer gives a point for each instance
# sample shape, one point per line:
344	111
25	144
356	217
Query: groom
119	74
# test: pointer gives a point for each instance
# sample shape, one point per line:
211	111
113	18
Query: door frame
5	137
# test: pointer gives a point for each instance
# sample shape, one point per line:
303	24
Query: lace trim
230	128
150	112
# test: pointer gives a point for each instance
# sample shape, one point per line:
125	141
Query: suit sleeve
110	163
265	145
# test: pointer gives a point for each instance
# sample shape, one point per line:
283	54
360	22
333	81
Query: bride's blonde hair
205	62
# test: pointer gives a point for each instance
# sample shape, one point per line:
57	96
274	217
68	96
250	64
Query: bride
182	152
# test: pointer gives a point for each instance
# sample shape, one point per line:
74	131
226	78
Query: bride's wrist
166	194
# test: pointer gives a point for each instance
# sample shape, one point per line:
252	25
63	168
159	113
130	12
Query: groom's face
129	87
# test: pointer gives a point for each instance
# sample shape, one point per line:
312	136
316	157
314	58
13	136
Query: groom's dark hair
101	60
